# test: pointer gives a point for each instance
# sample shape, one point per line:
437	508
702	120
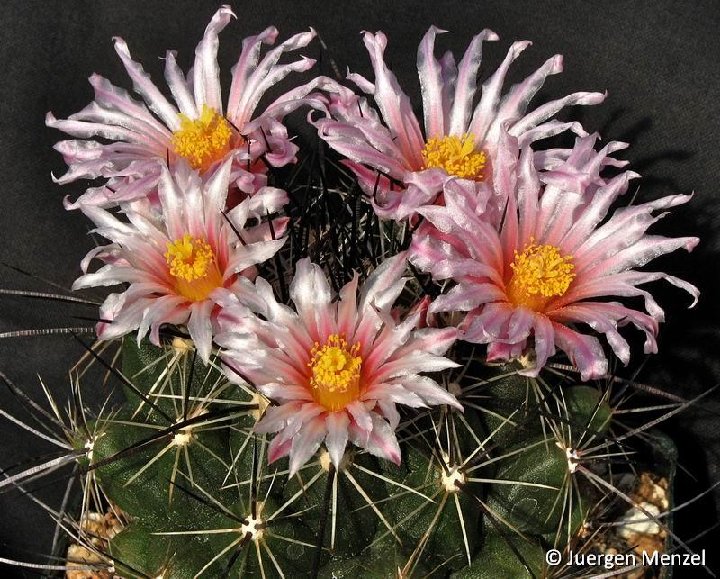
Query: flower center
335	373
539	274
456	155
192	263
202	141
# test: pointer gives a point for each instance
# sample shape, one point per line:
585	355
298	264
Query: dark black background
658	60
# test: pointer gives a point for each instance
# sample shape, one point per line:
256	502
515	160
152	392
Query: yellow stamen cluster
540	273
335	373
204	140
456	155
189	257
191	262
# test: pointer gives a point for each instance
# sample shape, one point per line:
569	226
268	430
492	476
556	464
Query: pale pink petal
595	212
431	86
463	298
349	142
89	129
550	109
429	390
206	80
124	317
252	79
521	94
115	193
267	200
544	333
200	328
215	192
179	86
596	319
393	103
337	436
389	412
278	449
488	325
255	253
171	201
108	95
487	107
384	285
584	352
109	275
411	364
347	308
434	341
527	197
520	324
276	417
306	443
391	337
361	82
165	309
310	287
642	252
145	87
360	415
143	132
382	442
282	392
295	423
549	129
467	83
395	393
246	63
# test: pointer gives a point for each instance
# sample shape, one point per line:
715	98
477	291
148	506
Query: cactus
480	493
509	464
530	464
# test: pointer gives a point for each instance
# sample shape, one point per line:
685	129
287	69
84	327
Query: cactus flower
401	167
179	262
135	142
335	370
556	263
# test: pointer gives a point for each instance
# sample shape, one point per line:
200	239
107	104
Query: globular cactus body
477	492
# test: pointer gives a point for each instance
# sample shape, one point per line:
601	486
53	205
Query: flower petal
306	443
337	436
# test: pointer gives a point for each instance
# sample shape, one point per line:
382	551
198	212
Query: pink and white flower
403	168
119	138
180	262
557	260
335	369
